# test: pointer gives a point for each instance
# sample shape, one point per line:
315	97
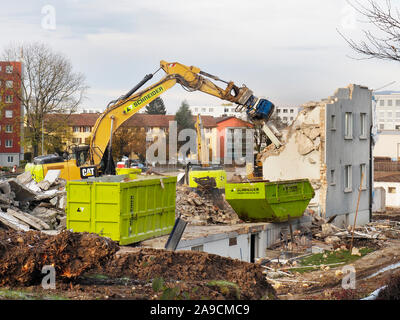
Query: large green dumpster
126	212
269	201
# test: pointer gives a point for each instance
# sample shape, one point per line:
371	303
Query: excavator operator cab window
81	156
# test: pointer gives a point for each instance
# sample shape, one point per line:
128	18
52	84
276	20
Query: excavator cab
71	164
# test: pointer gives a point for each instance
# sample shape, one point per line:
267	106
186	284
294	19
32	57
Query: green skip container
276	201
126	212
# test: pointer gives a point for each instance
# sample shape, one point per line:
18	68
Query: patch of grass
98	276
329	257
168	293
6	294
226	287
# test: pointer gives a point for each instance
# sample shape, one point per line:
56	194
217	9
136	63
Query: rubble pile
27	205
24	254
199	210
193	268
377	230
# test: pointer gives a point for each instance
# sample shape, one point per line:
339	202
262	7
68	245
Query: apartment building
218	136
223	110
12	114
287	114
387	110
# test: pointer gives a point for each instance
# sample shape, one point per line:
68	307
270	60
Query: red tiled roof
76	119
162	121
245	123
388	178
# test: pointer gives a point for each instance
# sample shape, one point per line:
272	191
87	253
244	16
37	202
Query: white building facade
287	114
388	145
223	110
388	110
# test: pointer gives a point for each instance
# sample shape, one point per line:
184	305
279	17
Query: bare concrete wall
342	151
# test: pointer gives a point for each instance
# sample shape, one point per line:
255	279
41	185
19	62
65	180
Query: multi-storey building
218	136
287	114
387	110
223	110
12	114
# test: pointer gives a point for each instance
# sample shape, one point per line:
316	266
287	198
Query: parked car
139	165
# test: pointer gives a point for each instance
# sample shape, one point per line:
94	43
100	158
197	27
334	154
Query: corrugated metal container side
276	201
126	212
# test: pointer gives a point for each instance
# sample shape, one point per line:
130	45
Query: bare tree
127	140
383	42
48	85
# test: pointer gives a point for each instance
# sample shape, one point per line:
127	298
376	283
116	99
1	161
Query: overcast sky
289	51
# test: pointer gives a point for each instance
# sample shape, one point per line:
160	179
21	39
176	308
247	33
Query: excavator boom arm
191	78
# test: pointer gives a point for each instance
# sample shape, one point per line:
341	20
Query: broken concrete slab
52	176
54	201
44	212
33	186
22	193
332	240
4	200
13	222
25	177
5	189
305	145
314	133
25	218
62	201
47	195
62	222
44	185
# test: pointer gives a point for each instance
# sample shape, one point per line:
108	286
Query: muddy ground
327	283
87	267
92	267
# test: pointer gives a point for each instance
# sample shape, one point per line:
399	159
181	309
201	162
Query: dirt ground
326	283
92	267
87	267
392	214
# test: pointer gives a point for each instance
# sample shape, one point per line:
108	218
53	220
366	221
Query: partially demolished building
330	144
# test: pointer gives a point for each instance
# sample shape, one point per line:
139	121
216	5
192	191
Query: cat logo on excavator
87	172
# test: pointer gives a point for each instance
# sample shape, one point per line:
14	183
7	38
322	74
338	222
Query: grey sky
288	51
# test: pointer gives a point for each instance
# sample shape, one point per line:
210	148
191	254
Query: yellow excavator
203	171
95	159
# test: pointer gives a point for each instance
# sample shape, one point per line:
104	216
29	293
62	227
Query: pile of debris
193	269
24	254
198	210
27	205
377	230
